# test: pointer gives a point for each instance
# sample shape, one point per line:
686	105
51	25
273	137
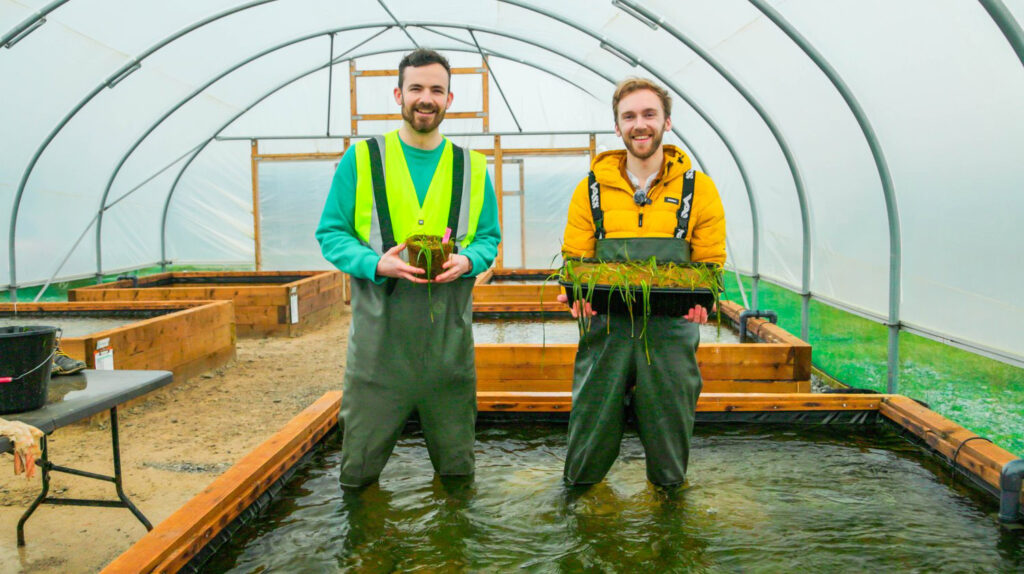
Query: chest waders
611	368
400	361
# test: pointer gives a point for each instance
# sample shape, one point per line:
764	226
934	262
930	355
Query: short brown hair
630	85
422	57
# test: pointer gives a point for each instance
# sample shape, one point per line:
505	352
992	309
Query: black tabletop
73	398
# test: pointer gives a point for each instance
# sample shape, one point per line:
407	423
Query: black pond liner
843	418
26	357
183	280
664	301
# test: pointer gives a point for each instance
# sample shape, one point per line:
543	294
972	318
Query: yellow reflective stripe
364	192
478	171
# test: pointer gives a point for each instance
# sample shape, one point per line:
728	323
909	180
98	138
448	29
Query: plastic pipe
772	317
1010	480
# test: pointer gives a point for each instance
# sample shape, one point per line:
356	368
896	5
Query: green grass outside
981	394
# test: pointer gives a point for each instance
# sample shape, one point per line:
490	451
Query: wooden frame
176	540
260	310
355	117
191	338
725	368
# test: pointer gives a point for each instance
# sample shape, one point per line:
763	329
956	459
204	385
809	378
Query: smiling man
410	349
641	202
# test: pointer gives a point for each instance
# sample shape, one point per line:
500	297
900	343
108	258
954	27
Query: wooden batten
174	542
485	277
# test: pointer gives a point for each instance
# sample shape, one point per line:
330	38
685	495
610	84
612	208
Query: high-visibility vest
387	208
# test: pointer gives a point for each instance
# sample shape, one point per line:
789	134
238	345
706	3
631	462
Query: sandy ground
173	444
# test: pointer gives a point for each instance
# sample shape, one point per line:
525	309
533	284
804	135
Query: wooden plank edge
981	457
707	402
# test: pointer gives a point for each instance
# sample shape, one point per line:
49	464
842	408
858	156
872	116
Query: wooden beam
254	150
352	110
485	85
398	116
522	214
499	261
516	152
298	156
378	73
593	146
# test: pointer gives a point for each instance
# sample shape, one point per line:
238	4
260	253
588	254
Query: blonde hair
630	85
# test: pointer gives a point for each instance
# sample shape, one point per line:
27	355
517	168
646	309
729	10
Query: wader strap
382	215
460	183
595	206
380	194
683	215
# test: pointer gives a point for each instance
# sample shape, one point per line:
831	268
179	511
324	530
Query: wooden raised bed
186	338
266	302
179	538
491	295
781	363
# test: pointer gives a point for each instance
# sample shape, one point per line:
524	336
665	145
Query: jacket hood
610	167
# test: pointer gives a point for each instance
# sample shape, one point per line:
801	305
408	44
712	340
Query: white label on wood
104	358
294	296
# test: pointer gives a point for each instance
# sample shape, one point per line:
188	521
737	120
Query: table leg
117	472
48	467
42	495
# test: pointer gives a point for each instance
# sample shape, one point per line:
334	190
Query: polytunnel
867	153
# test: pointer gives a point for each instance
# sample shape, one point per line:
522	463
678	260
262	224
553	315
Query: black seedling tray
667	301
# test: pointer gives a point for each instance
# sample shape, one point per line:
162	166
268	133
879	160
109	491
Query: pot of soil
428	252
26	357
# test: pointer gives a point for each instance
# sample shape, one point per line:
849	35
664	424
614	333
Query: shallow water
552	330
818	499
71	326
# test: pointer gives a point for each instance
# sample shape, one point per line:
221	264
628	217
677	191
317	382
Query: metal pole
888	191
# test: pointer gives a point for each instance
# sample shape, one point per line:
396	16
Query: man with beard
641	202
410	346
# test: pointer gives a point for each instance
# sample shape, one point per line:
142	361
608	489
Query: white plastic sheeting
938	80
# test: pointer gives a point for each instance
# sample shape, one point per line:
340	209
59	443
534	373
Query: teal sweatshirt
341	245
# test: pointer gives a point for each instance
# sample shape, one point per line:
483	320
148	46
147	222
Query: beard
652	146
420	124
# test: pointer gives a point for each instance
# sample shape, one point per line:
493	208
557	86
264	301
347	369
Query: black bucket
26	357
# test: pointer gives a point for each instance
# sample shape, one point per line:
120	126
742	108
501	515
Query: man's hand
697	314
456	266
391	265
575	309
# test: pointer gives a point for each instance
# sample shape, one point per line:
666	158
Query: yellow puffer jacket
624	218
